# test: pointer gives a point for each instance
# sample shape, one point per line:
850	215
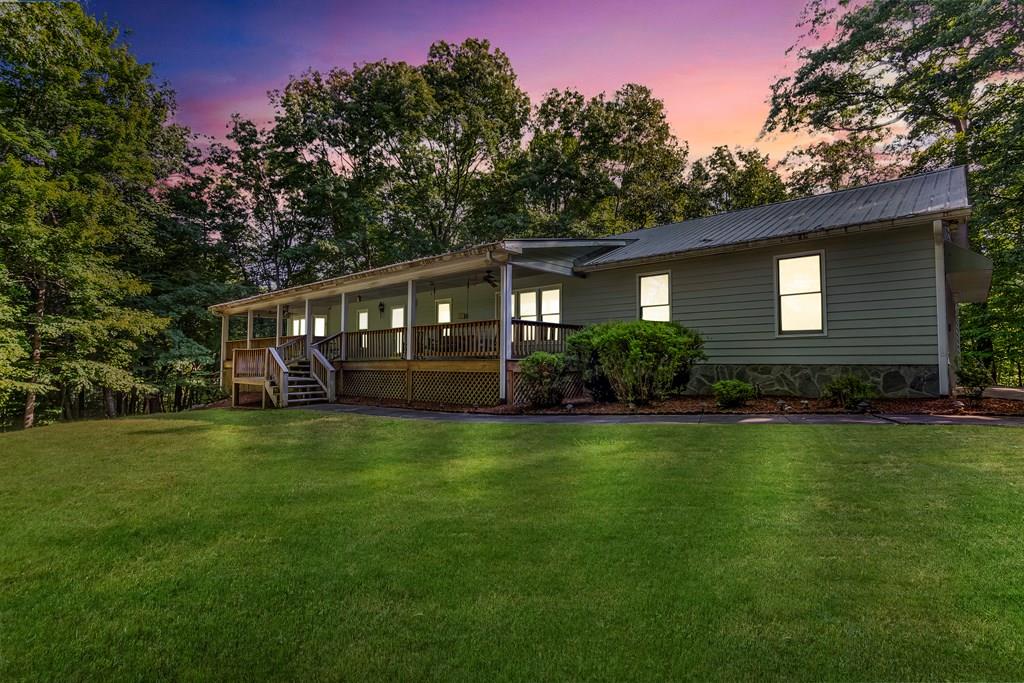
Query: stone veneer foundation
892	381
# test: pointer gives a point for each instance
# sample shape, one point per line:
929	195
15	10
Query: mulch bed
697	405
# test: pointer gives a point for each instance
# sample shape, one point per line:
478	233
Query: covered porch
447	330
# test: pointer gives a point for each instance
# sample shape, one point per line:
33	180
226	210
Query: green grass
295	546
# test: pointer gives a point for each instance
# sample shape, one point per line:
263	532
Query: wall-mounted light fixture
380	309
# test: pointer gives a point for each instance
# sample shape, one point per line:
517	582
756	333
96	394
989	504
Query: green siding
880	300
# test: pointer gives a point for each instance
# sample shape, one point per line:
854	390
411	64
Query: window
298	327
655	297
444	315
363	324
319	326
398	320
801	304
549	310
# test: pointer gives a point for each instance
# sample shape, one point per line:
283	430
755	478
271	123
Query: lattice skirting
456	388
383	384
519	396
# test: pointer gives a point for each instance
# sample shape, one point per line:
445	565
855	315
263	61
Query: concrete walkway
437	416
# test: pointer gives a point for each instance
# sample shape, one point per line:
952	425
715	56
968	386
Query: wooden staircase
303	389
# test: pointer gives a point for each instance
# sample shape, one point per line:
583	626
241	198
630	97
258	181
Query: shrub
543	378
973	376
732	393
581	357
644	360
848	391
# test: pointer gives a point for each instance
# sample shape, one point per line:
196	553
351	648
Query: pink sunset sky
711	62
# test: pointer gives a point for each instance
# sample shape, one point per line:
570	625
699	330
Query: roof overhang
552	255
920	219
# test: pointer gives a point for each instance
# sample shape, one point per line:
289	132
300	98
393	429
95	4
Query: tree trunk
29	419
108	402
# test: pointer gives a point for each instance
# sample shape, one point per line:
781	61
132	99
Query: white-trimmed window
655	297
363	324
398	320
298	327
319	325
443	315
800	295
543	304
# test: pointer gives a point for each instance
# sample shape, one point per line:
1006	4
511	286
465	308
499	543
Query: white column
309	324
941	319
248	329
505	330
277	327
344	322
410	318
225	324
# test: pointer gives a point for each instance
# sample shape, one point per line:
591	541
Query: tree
832	165
80	138
726	180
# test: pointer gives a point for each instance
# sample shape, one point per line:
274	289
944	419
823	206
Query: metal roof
918	195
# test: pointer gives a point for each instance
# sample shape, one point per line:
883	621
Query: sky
711	61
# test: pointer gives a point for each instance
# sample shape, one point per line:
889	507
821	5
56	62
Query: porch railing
249	364
476	339
257	343
331	346
529	336
375	344
293	350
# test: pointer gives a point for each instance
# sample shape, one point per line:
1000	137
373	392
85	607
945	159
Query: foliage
642	358
544	376
973	376
848	391
732	393
82	139
833	165
727	180
581	357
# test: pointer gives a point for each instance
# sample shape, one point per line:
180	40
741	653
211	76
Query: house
786	295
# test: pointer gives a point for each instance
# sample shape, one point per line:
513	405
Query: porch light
380	308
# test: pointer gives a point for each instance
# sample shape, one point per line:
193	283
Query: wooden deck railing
331	346
249	365
322	370
257	343
293	350
375	344
476	339
529	336
277	373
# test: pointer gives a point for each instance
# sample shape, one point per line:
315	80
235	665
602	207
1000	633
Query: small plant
544	377
848	391
732	393
973	376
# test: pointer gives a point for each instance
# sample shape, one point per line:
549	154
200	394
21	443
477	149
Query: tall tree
832	165
81	130
726	180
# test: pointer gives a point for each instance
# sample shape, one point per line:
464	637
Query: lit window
298	327
655	301
527	306
800	301
551	305
320	326
444	311
363	324
398	320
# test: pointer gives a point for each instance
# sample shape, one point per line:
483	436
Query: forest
118	226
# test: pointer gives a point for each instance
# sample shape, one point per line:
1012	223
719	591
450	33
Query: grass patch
293	545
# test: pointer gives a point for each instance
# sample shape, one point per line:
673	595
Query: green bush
848	391
732	393
581	356
543	378
644	360
973	376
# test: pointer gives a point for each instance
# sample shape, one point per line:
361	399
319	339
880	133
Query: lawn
296	546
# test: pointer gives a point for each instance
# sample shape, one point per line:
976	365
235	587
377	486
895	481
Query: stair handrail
292	350
335	341
322	371
278	371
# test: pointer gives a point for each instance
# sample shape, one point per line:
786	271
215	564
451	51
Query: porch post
248	329
277	327
505	330
344	322
309	325
225	323
410	318
941	307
